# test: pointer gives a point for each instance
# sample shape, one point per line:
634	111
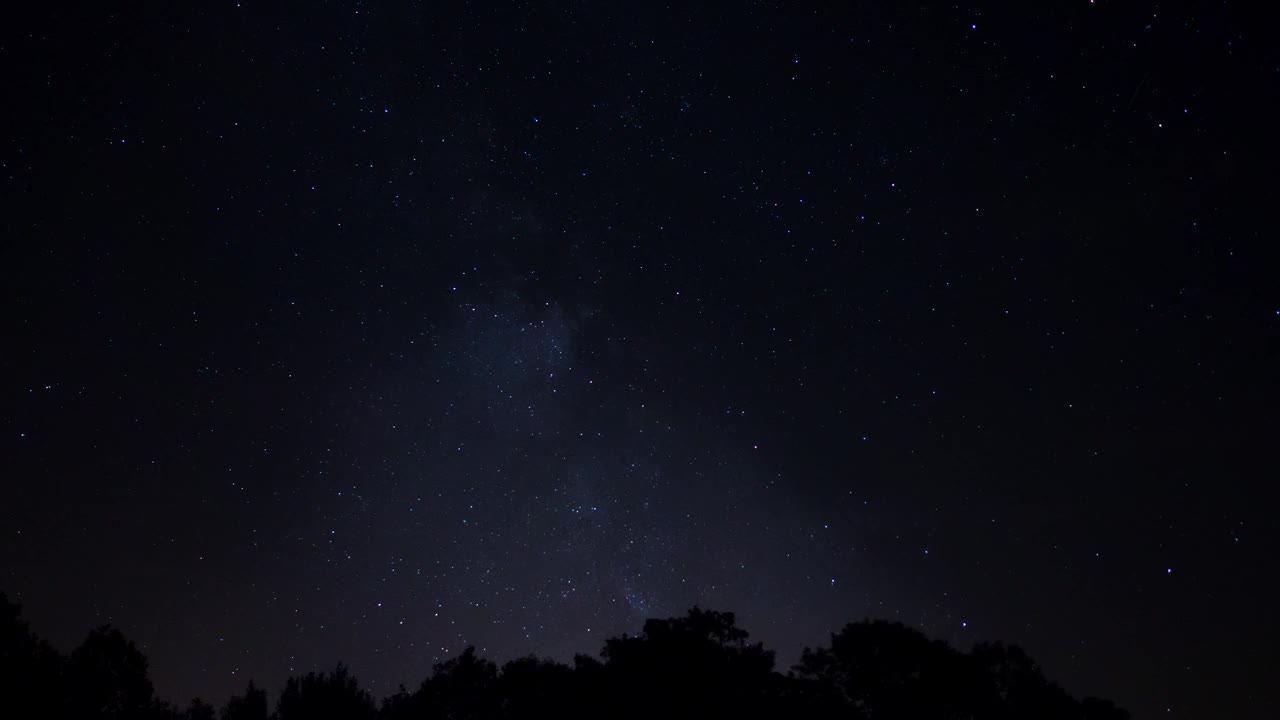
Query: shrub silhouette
699	665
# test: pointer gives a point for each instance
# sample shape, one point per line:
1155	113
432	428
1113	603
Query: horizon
737	641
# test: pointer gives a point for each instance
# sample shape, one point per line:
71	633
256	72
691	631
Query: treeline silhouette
700	665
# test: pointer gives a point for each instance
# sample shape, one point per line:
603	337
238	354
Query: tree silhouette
1020	686
1093	708
698	665
460	689
530	687
250	706
882	669
398	706
199	710
106	677
30	670
319	696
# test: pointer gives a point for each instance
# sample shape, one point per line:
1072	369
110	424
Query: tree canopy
698	665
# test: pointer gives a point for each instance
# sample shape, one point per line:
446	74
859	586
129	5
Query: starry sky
369	331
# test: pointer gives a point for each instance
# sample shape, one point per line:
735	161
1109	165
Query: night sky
369	331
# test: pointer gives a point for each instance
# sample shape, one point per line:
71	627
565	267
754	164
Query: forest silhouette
697	666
